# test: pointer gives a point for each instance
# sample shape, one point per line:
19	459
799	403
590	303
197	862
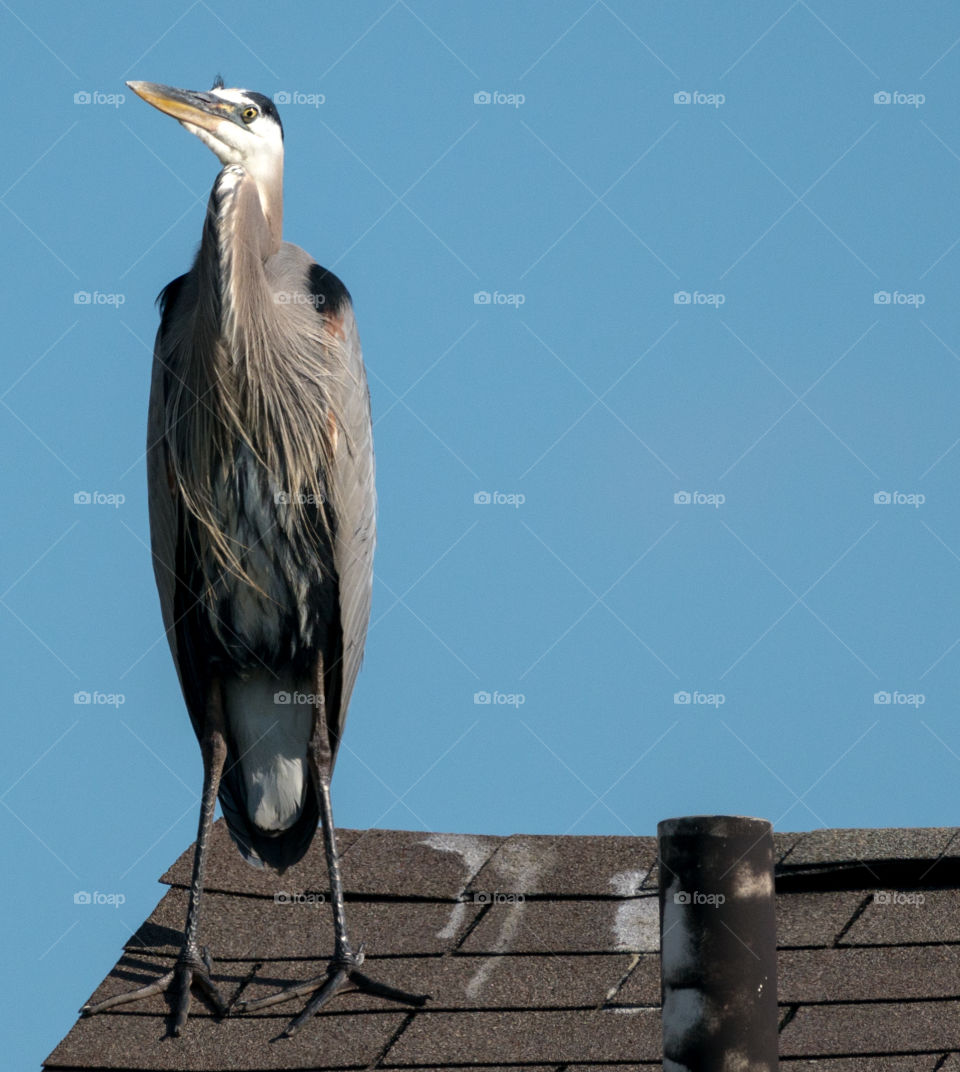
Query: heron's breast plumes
254	436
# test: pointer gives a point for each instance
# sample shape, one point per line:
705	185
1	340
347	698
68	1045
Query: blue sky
701	443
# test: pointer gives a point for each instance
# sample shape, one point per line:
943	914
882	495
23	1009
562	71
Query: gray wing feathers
355	504
164	521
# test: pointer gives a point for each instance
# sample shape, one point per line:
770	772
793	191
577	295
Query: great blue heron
262	503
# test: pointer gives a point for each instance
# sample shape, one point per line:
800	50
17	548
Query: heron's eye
249	114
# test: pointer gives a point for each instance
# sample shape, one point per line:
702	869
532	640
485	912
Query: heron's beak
200	109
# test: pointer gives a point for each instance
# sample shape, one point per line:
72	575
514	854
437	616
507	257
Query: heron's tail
267	794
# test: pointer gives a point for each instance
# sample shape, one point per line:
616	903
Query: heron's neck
269	184
242	231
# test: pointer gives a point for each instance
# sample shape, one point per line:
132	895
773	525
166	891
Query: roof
542	952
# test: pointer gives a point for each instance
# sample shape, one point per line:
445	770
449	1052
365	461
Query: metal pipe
718	944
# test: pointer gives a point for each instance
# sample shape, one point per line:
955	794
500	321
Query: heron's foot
341	972
193	966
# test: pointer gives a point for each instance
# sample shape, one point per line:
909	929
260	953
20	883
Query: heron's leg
342	969
320	759
193	964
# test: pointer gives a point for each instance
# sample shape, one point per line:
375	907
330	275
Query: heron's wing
353	496
164	514
356	521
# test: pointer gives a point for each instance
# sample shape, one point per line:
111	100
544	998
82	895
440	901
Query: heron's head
240	126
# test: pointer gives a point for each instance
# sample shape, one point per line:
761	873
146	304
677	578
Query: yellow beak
201	109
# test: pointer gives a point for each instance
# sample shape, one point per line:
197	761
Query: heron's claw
193	966
341	972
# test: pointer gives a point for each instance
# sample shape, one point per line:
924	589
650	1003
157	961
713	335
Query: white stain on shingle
636	922
473	850
627	883
456	920
516	868
636	925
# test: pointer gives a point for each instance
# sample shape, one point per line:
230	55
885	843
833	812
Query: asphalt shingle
539	952
815	919
563	866
916	1026
901	917
377	863
133	1041
513	1038
250	928
901	973
631	925
833	847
